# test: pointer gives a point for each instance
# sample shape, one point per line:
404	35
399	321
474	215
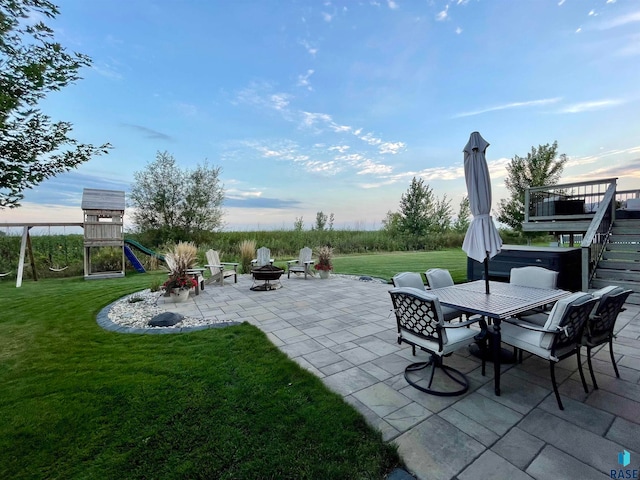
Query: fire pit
266	273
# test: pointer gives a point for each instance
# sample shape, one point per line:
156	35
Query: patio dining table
504	301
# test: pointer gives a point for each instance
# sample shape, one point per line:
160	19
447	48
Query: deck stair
620	263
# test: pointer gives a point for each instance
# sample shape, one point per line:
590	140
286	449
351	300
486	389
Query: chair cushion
557	312
604	291
456	338
528	340
408	279
536	277
439	278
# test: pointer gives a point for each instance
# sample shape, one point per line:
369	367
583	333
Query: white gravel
138	313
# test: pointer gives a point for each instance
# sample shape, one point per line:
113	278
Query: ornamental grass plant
181	257
247	250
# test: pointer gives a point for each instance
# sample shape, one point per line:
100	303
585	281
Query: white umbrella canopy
482	240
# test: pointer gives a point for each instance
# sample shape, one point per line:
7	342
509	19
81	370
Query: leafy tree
391	223
321	221
177	203
33	64
461	224
540	167
416	208
441	215
421	212
331	220
298	224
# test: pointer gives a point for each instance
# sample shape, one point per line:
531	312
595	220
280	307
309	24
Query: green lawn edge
82	402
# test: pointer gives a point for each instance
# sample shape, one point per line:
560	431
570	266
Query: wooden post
31	259
23	246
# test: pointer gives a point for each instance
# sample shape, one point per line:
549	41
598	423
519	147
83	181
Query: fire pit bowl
266	273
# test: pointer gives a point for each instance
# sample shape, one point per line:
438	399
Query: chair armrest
309	262
466	323
292	261
229	263
214	266
529	326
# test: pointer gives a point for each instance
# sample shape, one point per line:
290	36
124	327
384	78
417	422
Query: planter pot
179	295
324	273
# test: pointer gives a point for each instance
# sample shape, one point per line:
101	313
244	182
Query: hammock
53	269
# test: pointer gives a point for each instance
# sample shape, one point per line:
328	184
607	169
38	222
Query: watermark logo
624	459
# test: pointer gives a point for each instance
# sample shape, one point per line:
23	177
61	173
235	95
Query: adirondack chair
263	258
218	270
302	264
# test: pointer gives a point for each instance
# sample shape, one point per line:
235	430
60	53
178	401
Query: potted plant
179	259
179	286
324	265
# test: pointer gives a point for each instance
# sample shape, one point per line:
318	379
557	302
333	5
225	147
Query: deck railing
596	200
624	195
595	240
569	201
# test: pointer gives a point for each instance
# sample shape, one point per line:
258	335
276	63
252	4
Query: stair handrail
597	235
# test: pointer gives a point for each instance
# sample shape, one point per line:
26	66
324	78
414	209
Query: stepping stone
166	319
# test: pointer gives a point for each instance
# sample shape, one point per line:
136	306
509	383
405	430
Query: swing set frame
25	244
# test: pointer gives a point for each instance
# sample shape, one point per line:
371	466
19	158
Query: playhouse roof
95	199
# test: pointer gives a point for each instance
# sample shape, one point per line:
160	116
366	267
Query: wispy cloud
373	168
304	80
261	95
443	15
279	101
392	147
589	106
620	21
107	71
497	169
310	119
392	5
260	202
339	148
308	47
506	106
148	132
187	109
631	47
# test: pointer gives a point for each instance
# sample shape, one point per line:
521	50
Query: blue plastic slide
133	259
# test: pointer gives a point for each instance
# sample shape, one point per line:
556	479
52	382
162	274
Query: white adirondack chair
263	258
217	268
302	264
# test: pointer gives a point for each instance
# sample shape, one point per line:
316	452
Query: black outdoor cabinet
566	261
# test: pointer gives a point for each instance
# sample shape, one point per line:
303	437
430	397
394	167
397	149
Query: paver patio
343	331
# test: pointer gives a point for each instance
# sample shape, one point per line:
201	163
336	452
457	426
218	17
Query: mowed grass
81	402
386	265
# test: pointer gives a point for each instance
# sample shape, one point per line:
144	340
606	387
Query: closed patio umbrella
482	240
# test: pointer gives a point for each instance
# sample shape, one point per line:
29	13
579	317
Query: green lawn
386	265
81	402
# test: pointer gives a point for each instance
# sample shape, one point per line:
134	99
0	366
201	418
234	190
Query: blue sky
336	105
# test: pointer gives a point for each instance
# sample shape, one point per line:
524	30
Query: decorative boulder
166	319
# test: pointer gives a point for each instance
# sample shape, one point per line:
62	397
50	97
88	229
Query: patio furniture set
520	316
